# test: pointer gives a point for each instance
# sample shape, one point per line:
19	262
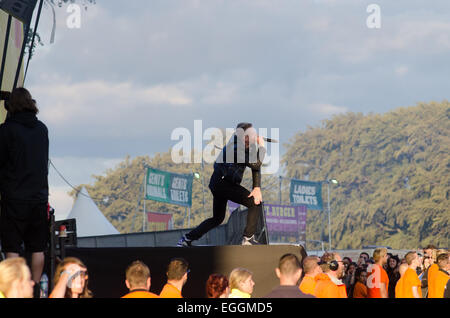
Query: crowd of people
382	275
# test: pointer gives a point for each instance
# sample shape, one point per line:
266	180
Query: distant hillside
393	171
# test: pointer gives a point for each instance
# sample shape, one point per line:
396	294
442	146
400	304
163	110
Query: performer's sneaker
249	241
184	242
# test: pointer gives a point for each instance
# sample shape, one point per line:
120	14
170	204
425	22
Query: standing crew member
441	277
409	285
245	149
24	182
378	280
329	284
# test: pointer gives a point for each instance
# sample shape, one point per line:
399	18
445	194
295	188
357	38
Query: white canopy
90	220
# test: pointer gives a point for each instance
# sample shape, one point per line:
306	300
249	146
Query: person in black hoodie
245	149
24	147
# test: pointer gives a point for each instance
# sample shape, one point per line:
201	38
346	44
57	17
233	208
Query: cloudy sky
136	70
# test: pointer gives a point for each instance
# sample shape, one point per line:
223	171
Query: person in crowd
392	271
349	278
360	288
434	269
15	279
447	290
177	276
409	285
71	280
217	286
420	268
24	148
329	284
378	280
441	277
362	259
401	270
311	269
241	283
346	261
428	250
428	261
289	271
138	281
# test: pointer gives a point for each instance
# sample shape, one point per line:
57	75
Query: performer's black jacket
24	149
232	168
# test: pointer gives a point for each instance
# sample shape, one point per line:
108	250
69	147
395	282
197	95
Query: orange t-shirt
433	269
140	294
308	285
170	291
360	290
377	276
436	290
326	288
404	286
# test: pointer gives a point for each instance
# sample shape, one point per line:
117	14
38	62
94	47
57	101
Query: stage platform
106	266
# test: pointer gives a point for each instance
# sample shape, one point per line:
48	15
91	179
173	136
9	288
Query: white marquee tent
90	220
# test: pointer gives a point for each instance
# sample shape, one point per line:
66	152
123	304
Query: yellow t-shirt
236	293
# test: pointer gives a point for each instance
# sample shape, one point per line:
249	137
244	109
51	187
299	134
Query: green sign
167	187
306	193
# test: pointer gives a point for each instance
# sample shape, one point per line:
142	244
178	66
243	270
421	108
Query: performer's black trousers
224	191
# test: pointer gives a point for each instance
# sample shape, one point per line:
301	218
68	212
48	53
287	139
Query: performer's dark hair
244	126
21	101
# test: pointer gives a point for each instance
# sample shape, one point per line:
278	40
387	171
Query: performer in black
245	149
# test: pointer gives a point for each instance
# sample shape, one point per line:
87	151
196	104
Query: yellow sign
12	57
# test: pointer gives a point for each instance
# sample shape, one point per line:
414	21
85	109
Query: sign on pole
159	221
168	187
306	193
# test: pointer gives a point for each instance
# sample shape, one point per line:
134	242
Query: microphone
270	140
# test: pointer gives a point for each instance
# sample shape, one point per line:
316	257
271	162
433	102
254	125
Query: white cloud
100	107
325	109
401	70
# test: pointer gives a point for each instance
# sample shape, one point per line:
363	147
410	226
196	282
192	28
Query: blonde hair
11	270
237	276
379	253
410	257
137	274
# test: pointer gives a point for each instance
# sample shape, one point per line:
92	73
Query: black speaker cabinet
20	9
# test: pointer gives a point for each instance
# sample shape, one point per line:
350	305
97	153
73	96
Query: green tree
394	176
